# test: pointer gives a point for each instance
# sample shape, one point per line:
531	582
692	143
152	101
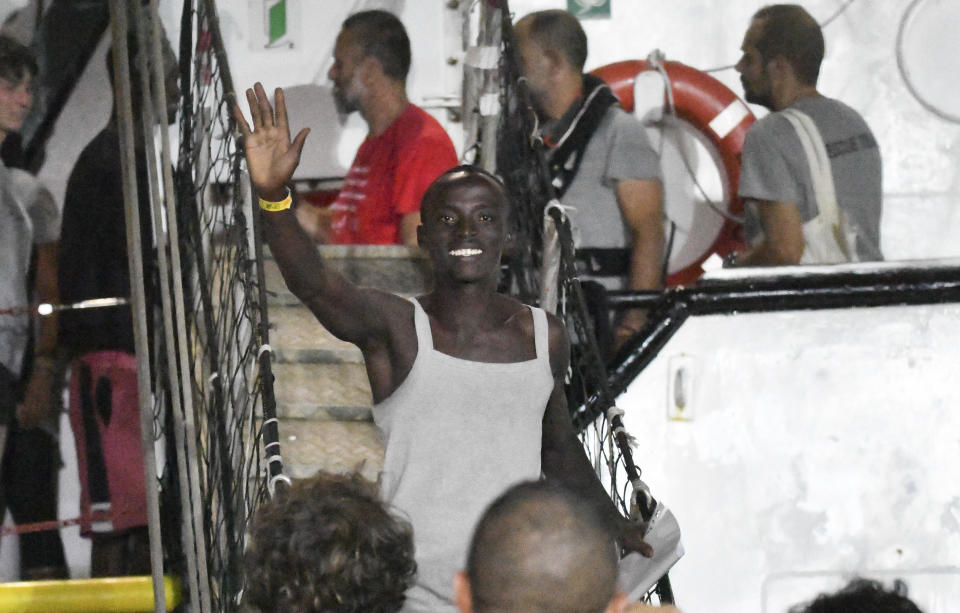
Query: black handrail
768	290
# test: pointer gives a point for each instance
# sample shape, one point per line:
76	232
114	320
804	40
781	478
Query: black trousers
28	487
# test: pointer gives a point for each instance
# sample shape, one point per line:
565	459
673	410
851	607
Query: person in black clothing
104	406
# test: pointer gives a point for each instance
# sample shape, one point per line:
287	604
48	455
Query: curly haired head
862	596
328	544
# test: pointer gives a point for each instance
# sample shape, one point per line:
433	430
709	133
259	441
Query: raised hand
271	156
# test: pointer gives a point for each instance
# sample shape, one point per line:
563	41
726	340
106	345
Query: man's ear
617	603
364	68
780	68
372	69
461	592
557	62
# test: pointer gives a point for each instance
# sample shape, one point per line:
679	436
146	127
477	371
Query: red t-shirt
388	177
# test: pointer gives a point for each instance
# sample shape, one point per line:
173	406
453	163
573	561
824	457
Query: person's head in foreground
862	596
540	548
328	544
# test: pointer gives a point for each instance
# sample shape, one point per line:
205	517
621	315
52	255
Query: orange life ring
715	111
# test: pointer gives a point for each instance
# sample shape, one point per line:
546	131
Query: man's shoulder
626	129
833	116
511	305
771	132
99	157
618	119
419	126
622	140
422	120
818	109
824	104
770	124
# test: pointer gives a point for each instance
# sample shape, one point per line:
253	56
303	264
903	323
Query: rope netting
228	422
541	269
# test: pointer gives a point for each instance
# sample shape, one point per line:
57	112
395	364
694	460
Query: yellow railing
108	595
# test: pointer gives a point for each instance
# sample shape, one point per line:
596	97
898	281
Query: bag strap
820	173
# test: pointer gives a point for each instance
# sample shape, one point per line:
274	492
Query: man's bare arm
350	313
641	204
563	457
782	243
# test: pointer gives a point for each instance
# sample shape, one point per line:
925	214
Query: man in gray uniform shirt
467	383
782	52
600	159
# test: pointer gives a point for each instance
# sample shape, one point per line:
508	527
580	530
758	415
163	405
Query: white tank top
457	434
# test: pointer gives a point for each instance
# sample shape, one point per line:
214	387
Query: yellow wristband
284	204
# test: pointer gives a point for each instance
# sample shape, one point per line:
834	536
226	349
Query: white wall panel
815	442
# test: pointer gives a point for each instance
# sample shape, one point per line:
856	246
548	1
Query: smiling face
464	226
752	67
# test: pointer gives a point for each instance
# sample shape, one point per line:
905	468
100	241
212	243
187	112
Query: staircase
323	396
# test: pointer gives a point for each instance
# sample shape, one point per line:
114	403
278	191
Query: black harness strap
569	137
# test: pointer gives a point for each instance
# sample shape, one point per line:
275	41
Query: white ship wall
804	448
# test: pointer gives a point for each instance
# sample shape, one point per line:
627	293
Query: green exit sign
276	21
589	9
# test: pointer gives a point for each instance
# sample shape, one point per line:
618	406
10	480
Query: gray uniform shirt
28	216
775	168
618	150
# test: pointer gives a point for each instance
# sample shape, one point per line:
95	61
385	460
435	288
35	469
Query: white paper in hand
637	573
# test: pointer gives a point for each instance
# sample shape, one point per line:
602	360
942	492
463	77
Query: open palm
271	156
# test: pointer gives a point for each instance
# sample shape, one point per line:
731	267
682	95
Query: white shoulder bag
829	238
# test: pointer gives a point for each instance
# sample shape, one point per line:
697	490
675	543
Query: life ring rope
724	123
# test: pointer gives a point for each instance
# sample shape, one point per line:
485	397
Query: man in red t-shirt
406	148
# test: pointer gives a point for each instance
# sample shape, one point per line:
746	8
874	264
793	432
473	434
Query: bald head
539	548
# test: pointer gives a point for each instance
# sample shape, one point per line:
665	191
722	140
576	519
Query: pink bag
105	417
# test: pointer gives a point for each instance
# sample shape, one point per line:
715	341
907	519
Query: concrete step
297	336
308	446
394	268
324	412
322	392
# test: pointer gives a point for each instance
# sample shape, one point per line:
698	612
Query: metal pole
490	21
128	165
152	77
